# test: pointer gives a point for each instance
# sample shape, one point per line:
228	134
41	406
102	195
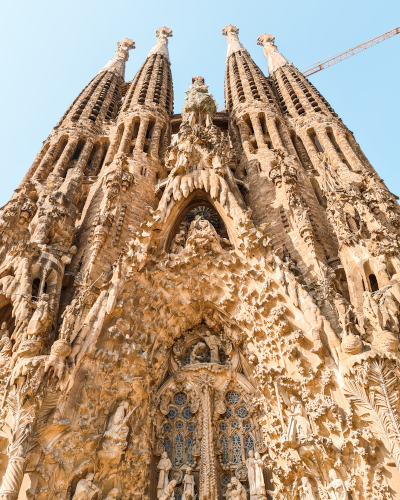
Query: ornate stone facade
202	305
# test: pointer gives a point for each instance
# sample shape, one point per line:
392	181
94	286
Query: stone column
328	147
113	146
12	478
47	160
35	164
96	160
66	156
274	134
208	484
85	153
258	132
155	140
144	122
126	138
310	149
350	155
244	135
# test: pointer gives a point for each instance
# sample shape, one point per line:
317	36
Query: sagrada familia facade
202	305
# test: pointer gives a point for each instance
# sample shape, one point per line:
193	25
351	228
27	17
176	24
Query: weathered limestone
211	315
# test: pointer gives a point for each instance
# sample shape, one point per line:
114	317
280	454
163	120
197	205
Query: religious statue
336	488
299	425
178	242
188	482
213	343
254	466
228	492
5	345
41	318
202	237
69	317
167	493
305	489
85	489
117	429
164	466
238	491
196	355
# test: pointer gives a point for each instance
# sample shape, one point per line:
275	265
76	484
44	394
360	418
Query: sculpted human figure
313	316
202	236
178	243
167	492
197	352
228	493
254	466
164	466
344	310
69	317
112	494
213	343
305	489
336	488
41	318
85	489
238	491
117	429
5	345
298	425
188	482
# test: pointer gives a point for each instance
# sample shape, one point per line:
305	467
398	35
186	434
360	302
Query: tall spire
275	59
117	63
234	45
161	47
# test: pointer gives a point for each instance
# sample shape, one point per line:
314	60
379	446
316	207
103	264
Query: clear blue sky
50	50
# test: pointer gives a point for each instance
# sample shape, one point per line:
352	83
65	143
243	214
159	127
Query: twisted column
12	479
208	484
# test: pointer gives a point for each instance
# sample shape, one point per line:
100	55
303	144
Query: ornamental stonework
202	305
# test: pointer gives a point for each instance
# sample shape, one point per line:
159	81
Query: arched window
236	448
179	448
225	450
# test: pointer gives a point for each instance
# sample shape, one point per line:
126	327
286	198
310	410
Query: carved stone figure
85	489
178	243
167	493
305	489
202	237
5	345
213	343
41	318
298	425
255	475
188	485
197	353
238	491
336	488
112	494
164	466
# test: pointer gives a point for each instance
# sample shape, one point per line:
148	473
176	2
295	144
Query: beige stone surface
202	305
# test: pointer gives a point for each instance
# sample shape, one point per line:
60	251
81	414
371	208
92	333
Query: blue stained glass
186	413
179	424
180	399
225	479
235	424
186	358
247	426
248	444
236	449
167	446
173	413
241	412
167	428
223	426
232	397
225	450
189	453
179	449
178	494
191	426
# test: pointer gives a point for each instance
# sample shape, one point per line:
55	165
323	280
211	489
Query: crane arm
310	70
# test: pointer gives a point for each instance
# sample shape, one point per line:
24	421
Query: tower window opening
373	283
78	149
314	138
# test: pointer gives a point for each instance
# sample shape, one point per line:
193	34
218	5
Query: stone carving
254	466
238	491
305	489
336	488
85	489
188	482
167	493
164	466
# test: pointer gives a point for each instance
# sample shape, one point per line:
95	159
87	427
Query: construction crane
310	70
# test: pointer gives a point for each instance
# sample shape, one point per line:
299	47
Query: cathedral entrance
205	426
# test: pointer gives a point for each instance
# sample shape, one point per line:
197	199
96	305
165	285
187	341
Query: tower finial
117	63
234	45
161	47
274	58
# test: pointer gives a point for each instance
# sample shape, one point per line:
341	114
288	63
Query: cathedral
202	305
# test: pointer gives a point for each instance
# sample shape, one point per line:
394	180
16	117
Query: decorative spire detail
274	58
199	106
234	45
117	63
161	47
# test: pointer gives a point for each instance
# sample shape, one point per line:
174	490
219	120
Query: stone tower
200	305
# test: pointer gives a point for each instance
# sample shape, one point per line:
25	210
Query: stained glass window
178	449
180	399
228	413
248	444
179	424
225	479
191	426
236	449
241	411
247	426
167	428
189	452
173	413
232	397
167	446
223	426
235	424
225	450
178	493
186	413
